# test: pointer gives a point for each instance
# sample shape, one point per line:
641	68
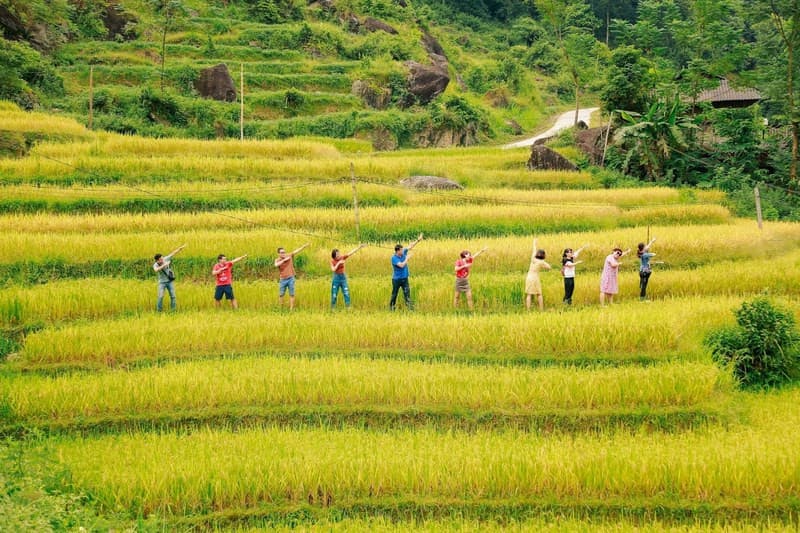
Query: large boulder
119	23
591	142
544	158
432	46
373	25
216	83
426	82
446	137
430	182
374	97
11	25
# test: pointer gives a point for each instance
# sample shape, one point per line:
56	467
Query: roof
725	96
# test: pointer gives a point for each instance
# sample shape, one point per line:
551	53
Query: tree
777	46
649	141
627	81
762	348
710	43
172	11
571	24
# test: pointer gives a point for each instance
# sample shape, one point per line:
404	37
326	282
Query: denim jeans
340	282
168	286
396	285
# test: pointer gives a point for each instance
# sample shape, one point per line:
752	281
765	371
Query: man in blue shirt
400	273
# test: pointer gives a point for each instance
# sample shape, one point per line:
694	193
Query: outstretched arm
626	252
413	244
479	252
238	258
357	248
176	250
533	252
579	250
300	249
649	244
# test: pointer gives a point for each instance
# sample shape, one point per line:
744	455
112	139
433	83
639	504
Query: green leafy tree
710	43
628	83
762	348
777	50
571	24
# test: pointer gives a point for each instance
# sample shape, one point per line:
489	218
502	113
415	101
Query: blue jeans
396	285
340	282
168	286
284	284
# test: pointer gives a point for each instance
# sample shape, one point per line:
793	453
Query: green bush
762	350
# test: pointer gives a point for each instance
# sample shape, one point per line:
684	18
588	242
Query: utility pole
91	97
758	207
241	101
355	202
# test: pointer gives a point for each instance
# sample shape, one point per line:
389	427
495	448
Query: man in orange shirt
285	264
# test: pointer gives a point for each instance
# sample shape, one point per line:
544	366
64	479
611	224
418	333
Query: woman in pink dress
608	281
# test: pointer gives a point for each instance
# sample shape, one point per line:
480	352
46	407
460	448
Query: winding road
565	120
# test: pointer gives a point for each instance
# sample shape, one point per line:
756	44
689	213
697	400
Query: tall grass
620	333
679	246
755	467
380	223
353	383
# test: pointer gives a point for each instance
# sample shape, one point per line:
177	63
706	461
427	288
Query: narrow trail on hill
564	121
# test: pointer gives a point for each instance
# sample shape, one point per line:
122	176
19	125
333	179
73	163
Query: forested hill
398	72
420	73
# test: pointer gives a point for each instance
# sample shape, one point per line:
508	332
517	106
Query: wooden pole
355	202
605	142
241	100
91	97
758	208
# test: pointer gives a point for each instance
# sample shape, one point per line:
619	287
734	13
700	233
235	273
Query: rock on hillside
216	83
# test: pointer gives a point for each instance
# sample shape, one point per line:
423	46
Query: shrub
762	349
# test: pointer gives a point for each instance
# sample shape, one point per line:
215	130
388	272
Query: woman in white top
568	262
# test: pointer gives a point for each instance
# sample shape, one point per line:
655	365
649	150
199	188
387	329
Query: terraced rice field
583	417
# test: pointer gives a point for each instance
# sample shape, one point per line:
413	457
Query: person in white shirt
568	262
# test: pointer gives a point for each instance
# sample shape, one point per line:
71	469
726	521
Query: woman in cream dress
533	286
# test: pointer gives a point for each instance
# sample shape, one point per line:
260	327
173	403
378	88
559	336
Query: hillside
396	73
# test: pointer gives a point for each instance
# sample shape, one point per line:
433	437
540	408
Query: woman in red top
462	269
339	277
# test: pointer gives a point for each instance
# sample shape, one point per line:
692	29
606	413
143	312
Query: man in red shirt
223	271
462	269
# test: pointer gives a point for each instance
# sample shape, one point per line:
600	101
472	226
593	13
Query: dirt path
565	120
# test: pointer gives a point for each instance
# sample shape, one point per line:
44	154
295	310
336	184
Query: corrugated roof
724	93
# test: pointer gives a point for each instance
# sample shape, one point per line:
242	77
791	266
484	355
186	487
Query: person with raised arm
166	278
609	285
339	281
644	254
223	271
286	273
462	269
568	262
533	286
400	273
